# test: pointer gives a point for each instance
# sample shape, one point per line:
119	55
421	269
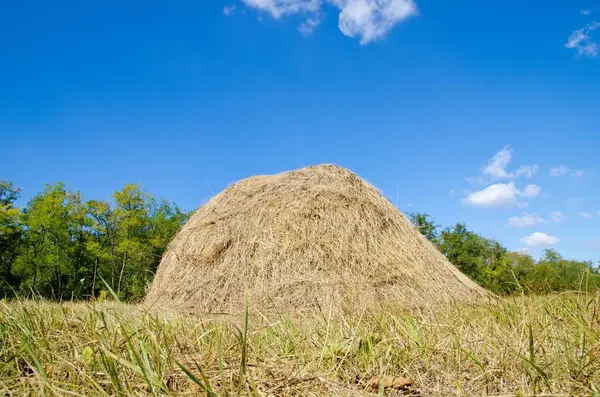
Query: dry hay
315	237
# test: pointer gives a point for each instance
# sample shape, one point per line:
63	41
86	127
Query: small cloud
409	204
531	191
561	170
522	204
279	8
501	195
538	239
586	12
495	196
558	217
371	20
579	173
307	27
496	166
526	220
528	171
587	215
228	10
452	192
582	40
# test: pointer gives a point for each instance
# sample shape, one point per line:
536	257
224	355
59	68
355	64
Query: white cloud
586	12
494	196
496	166
558	217
368	20
540	239
582	41
308	26
586	215
527	171
525	220
452	192
579	173
522	204
561	170
228	10
531	191
372	19
409	204
279	8
501	195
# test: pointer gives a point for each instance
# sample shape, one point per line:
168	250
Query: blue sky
442	103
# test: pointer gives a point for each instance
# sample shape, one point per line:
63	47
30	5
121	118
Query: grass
518	346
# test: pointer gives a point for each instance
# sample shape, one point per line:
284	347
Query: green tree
555	273
515	275
479	258
166	220
102	244
59	247
54	261
131	237
11	232
133	228
426	225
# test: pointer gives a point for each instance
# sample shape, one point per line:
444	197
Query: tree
103	242
426	226
54	261
516	272
166	220
479	258
11	231
555	273
59	247
136	234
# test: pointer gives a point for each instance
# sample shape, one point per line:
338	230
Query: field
516	346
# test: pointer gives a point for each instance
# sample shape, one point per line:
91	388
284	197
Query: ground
516	346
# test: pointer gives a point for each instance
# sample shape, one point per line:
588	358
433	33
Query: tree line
60	246
499	270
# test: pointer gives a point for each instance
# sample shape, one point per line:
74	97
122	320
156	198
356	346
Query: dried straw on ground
316	237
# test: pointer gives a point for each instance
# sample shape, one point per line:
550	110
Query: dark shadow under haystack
315	237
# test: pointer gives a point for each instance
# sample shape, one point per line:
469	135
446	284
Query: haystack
315	237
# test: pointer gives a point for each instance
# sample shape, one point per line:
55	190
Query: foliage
63	246
495	268
425	225
11	231
52	259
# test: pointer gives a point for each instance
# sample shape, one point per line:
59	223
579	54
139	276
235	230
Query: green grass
518	346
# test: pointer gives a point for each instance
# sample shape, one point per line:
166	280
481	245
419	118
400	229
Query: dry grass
316	237
518	346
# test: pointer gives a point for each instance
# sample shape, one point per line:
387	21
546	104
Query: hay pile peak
316	237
